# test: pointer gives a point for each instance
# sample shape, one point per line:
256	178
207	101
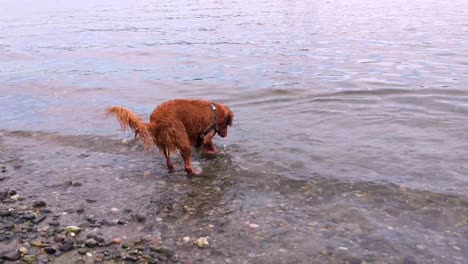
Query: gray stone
12	256
38	204
91	243
82	251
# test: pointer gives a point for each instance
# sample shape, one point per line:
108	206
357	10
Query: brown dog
179	125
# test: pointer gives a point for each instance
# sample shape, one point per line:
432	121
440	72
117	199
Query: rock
50	250
77	184
54	223
82	251
409	260
80	210
12	256
12	192
128	244
39	204
130	258
91	243
58	253
36	243
88	254
59	237
72	229
186	239
67	246
42	259
29	217
202	242
139	218
15	197
4	213
39	219
90	200
29	258
23	250
116	240
253	225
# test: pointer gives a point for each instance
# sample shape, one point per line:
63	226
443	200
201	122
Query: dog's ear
230	117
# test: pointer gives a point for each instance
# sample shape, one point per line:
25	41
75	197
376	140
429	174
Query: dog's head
225	118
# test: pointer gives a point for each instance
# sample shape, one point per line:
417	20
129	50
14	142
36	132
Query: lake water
350	134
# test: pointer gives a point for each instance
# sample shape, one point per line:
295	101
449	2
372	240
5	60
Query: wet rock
42	259
39	204
54	223
11	256
128	244
29	217
130	258
36	243
72	229
23	250
202	242
39	219
409	260
50	250
91	220
82	251
352	260
30	258
66	246
139	218
4	213
91	243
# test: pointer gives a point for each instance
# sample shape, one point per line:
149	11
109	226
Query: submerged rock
72	229
202	242
12	256
38	204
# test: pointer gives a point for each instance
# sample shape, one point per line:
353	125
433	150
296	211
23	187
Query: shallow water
350	129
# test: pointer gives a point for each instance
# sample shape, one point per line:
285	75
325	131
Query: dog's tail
128	119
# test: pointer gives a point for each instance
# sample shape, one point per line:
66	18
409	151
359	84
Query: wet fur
176	125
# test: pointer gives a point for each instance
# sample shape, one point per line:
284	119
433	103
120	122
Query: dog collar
213	126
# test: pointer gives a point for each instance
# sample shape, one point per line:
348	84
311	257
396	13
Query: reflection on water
350	138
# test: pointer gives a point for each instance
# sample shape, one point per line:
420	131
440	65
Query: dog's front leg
208	146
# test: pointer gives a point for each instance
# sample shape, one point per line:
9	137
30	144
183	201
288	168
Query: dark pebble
90	243
80	210
50	250
58	253
69	210
46	211
67	246
8	225
54	223
77	184
91	220
12	192
131	258
28	216
139	218
59	238
2	237
12	256
409	260
39	219
4	213
162	258
38	204
82	251
90	200
128	244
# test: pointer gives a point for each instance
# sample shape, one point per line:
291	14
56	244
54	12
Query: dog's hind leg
169	164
